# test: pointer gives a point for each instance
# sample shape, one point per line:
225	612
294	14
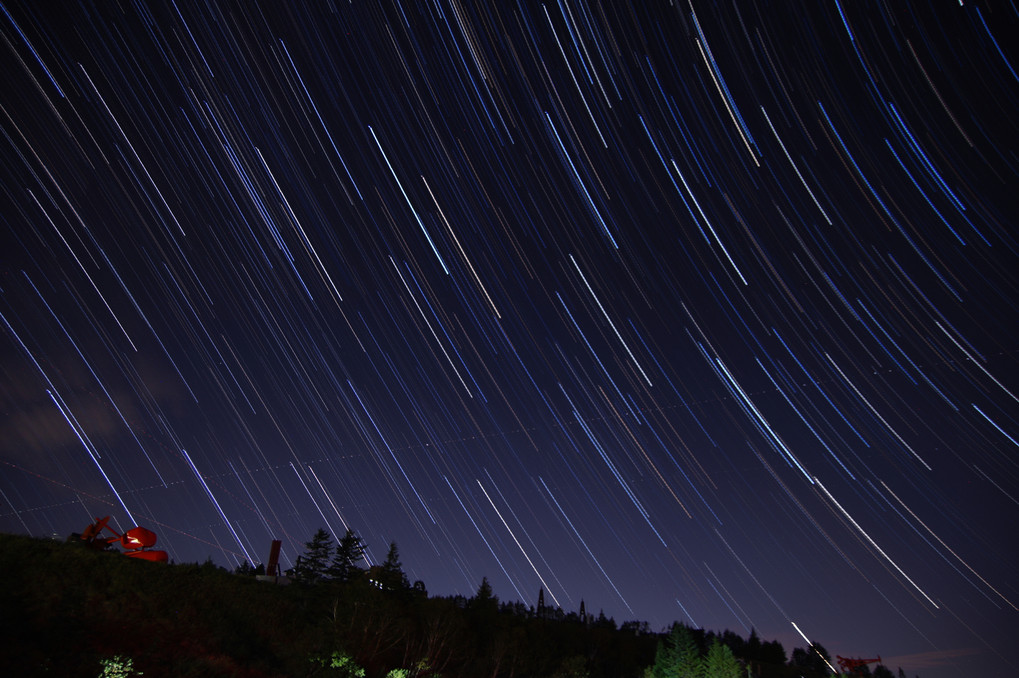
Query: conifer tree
349	552
720	662
312	566
393	576
244	570
485	593
485	599
813	662
677	656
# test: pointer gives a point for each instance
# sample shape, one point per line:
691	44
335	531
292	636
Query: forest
67	610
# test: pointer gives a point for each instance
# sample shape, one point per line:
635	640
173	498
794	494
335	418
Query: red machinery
849	666
134	542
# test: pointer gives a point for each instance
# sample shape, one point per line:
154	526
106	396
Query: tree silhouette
245	570
313	565
814	662
485	596
391	574
349	552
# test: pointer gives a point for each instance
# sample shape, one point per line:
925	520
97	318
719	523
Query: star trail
693	311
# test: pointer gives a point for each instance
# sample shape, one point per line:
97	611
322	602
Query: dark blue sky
694	312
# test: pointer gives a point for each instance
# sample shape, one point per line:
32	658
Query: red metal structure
273	568
135	541
849	666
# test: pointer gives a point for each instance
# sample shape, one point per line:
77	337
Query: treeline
481	636
372	619
73	612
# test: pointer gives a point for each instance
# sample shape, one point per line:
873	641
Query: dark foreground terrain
67	611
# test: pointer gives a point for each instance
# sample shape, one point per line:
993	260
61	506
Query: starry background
694	312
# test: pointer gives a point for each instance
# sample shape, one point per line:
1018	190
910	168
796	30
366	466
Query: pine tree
392	575
485	593
484	601
677	656
349	552
244	570
720	662
312	566
813	662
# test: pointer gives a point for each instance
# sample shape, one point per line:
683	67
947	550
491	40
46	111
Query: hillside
66	610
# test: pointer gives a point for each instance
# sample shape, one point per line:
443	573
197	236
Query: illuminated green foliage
677	656
118	667
340	664
720	662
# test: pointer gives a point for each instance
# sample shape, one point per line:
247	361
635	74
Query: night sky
694	311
